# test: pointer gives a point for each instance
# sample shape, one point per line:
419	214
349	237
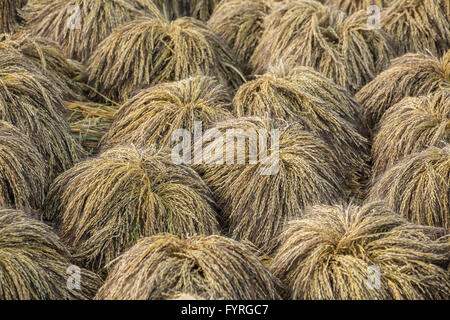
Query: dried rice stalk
90	121
23	172
33	103
417	187
368	252
9	19
240	24
97	19
418	26
257	198
342	48
150	51
34	263
154	114
409	75
102	206
211	267
302	95
411	126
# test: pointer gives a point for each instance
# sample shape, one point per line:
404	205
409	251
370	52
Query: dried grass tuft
153	115
151	51
23	172
97	19
240	24
336	251
417	187
103	205
418	26
342	48
33	103
34	263
48	57
212	267
302	95
257	196
410	126
409	75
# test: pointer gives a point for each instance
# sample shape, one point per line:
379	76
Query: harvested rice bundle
102	206
32	103
240	24
417	187
410	126
409	75
23	172
418	26
150	51
153	115
34	264
212	267
352	6
302	95
48	57
280	169
80	25
369	252
9	19
90	121
13	66
200	9
342	48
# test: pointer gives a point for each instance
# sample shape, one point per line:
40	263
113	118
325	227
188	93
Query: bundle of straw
271	174
418	26
152	116
35	265
410	126
369	252
23	171
302	95
409	75
240	24
103	205
49	58
151	51
80	25
211	267
33	103
417	187
343	48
